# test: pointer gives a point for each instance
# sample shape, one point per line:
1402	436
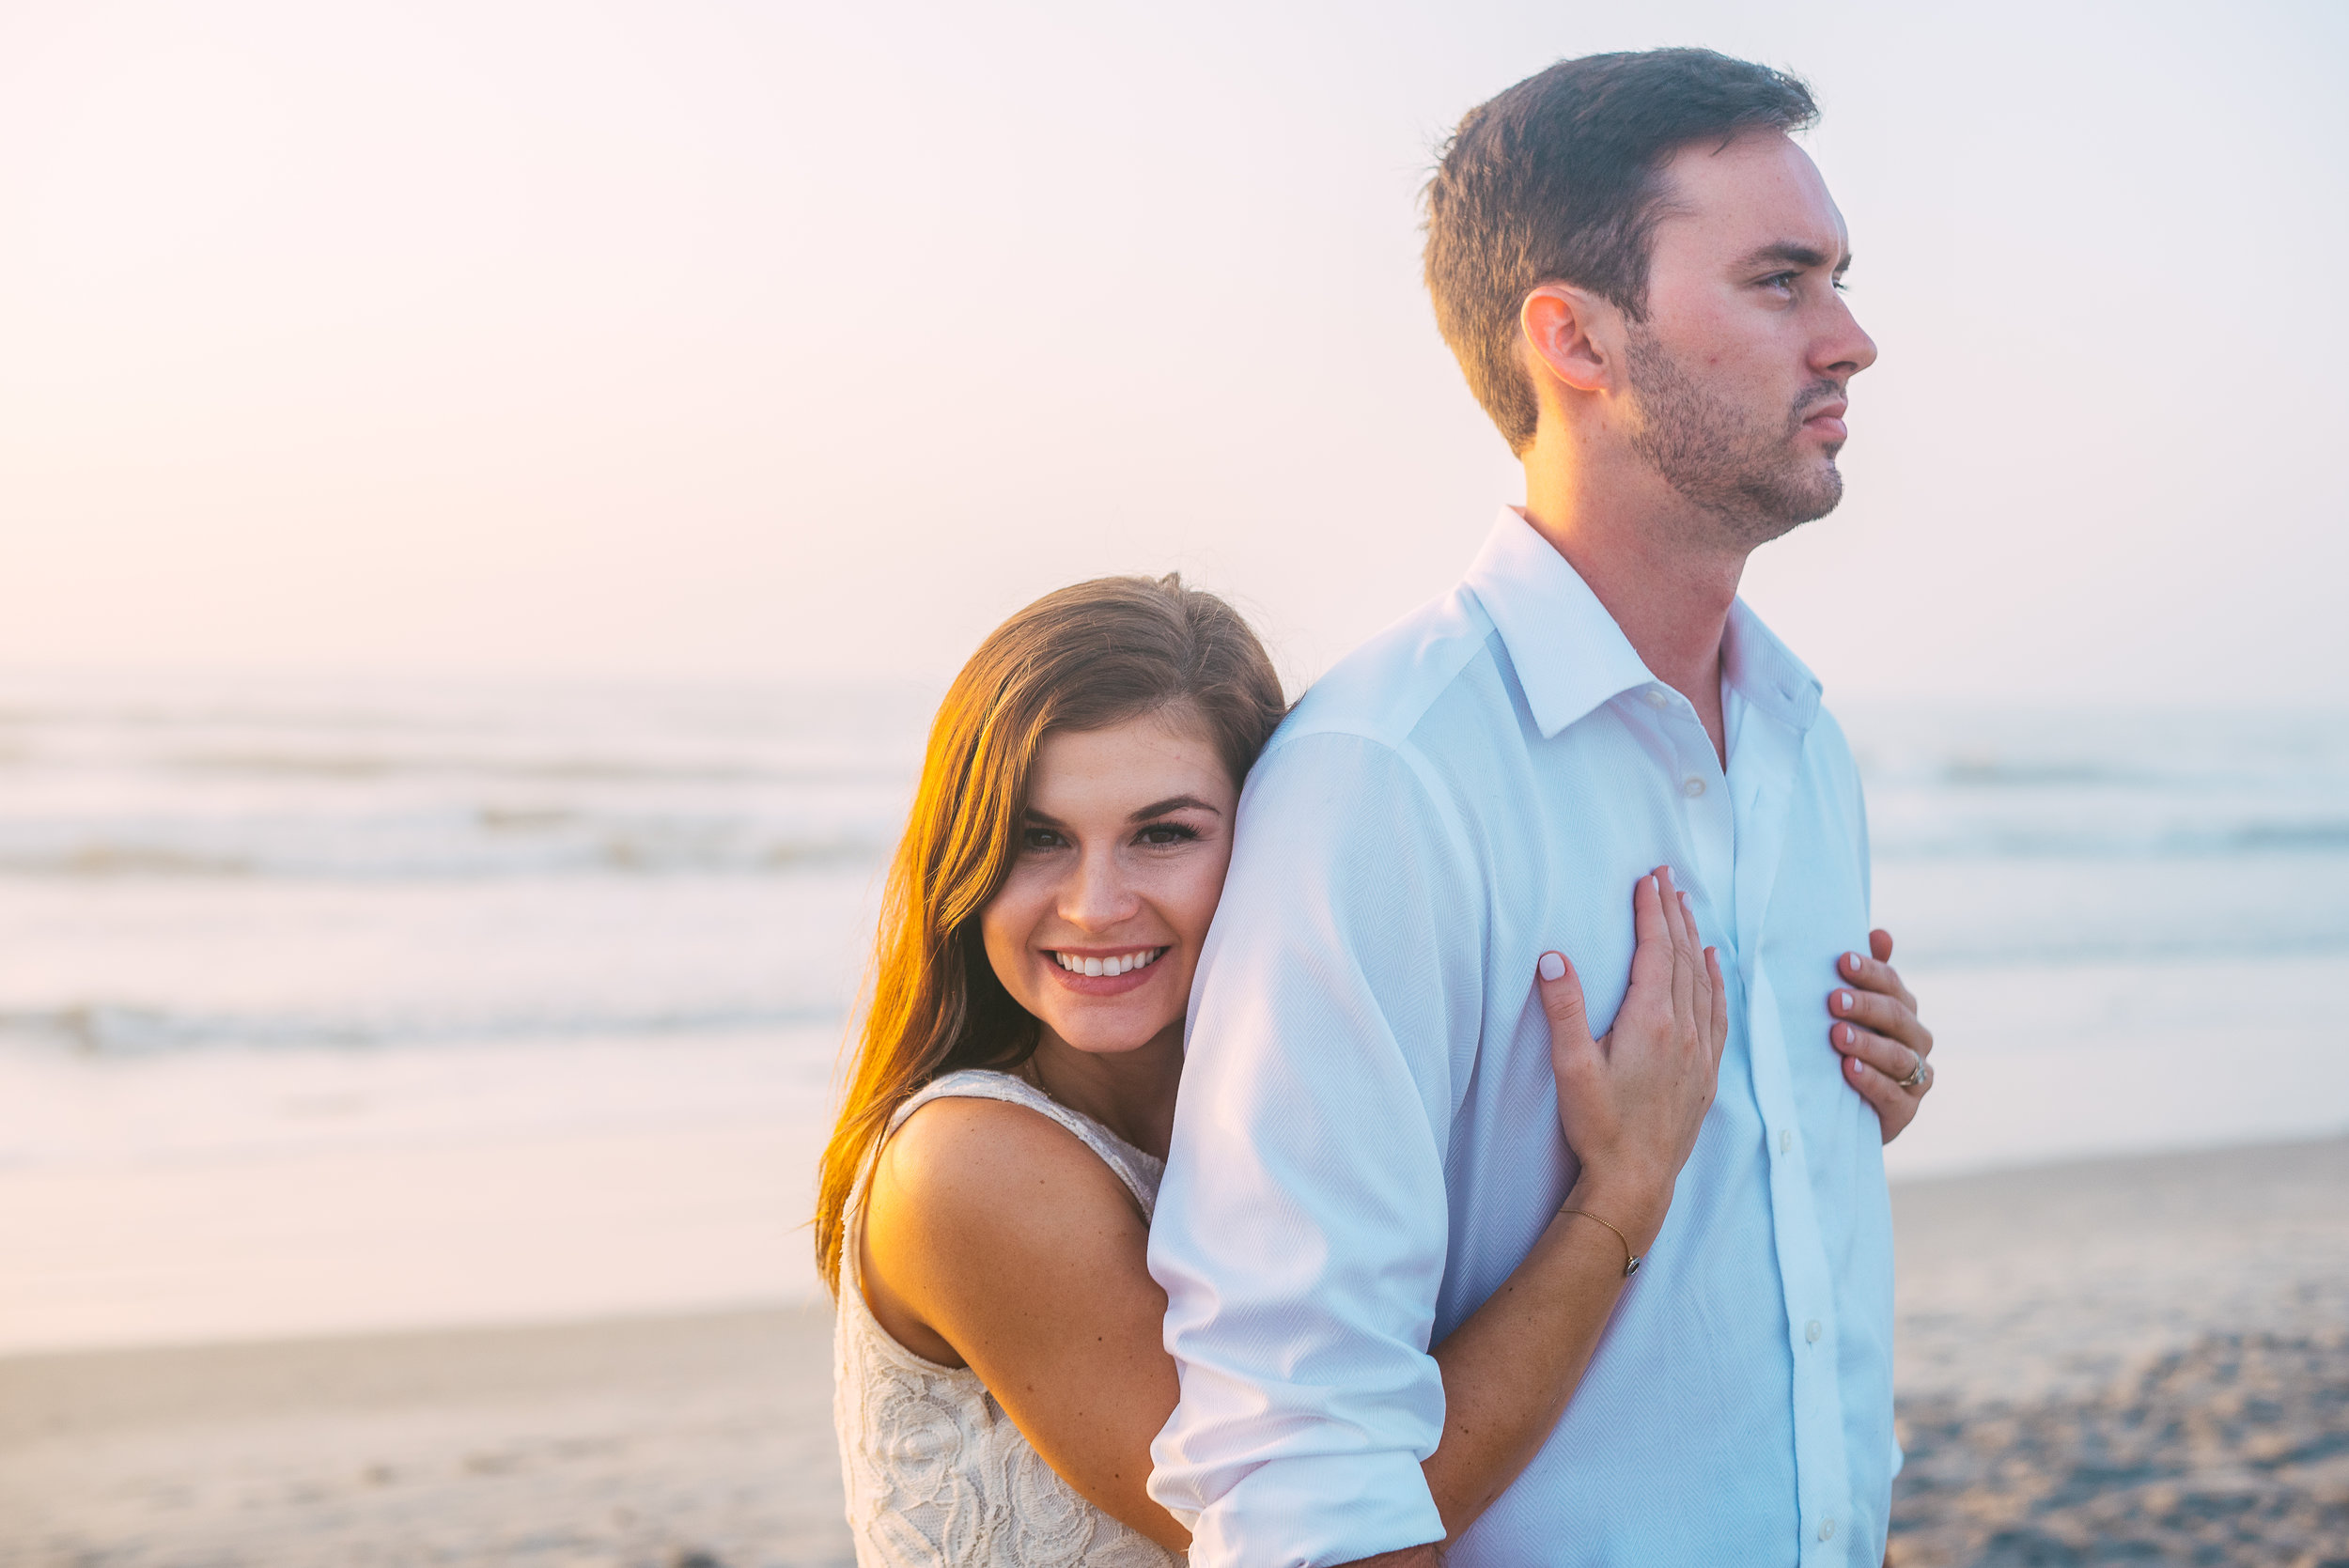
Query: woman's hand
1885	1050
1631	1103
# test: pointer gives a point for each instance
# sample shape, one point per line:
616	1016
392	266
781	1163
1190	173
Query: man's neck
1647	557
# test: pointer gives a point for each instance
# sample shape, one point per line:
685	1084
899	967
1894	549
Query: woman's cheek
1008	920
1210	891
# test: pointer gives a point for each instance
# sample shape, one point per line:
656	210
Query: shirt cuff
1317	1512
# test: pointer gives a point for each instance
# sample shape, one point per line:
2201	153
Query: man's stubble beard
1739	469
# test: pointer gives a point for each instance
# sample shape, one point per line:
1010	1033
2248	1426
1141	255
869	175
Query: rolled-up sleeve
1302	1231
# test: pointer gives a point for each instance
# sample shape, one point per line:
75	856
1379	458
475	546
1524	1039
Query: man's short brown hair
1555	180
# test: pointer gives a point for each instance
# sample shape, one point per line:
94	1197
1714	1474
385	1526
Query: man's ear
1562	327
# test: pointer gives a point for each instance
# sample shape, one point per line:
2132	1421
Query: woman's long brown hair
1086	658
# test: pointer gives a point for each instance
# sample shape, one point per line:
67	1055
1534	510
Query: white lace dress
938	1476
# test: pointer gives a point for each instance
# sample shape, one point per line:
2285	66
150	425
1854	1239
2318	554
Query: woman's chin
1105	1037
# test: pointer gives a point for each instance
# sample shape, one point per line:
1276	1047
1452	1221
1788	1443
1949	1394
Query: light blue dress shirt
1367	1143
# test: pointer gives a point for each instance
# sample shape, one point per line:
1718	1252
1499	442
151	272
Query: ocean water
2128	929
256	921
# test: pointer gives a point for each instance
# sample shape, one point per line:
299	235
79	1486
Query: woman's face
1120	861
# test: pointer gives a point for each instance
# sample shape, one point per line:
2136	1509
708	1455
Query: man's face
1737	375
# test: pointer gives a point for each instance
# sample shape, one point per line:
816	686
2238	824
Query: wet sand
2140	1360
2131	1361
663	1442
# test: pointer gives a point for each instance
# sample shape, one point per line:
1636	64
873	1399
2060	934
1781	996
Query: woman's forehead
1149	758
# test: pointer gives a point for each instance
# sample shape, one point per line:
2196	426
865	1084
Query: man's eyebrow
1174	803
1792	253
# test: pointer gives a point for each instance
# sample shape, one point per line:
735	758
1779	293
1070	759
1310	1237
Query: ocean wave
1993	772
488	845
99	1029
357	766
1947	835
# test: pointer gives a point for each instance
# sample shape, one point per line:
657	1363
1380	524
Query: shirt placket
1762	783
1709	819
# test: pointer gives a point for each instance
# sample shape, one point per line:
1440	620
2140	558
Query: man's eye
1779	280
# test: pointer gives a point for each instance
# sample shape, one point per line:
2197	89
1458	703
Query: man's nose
1844	350
1098	896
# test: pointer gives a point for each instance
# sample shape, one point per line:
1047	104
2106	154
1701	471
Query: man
1640	272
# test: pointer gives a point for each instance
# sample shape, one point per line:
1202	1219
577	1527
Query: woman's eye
1040	838
1163	833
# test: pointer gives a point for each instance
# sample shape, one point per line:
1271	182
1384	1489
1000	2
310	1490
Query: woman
984	1207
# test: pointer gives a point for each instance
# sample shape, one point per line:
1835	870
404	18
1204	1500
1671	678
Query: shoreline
2147	1355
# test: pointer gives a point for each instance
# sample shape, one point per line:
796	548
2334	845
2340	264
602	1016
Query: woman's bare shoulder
983	1172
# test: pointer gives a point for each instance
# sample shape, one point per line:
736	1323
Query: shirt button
1785	1140
1826	1530
1656	696
1692	788
1811	1331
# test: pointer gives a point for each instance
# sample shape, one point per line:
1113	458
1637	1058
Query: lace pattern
937	1474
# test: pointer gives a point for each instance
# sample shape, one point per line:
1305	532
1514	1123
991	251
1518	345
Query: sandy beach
2126	1361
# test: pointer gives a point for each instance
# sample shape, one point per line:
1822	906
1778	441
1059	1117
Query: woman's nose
1098	896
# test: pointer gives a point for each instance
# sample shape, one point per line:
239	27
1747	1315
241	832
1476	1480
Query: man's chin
1777	508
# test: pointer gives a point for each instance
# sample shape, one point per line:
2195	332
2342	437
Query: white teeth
1124	963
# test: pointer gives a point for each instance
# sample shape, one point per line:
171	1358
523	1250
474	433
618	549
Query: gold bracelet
1631	1259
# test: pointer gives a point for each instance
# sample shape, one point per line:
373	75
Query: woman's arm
994	1239
1630	1105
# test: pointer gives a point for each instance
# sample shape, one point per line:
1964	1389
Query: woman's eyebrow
1174	803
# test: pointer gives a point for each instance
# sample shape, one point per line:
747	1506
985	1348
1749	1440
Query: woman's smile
1078	960
1096	972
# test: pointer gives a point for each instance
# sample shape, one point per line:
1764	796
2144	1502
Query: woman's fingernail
1842	1001
1553	967
1855	1064
1851	961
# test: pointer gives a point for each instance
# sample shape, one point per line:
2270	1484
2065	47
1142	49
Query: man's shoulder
1384	689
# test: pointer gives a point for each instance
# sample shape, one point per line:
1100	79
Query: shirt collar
1766	672
1571	657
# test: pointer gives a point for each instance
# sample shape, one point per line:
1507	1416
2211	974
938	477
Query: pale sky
694	338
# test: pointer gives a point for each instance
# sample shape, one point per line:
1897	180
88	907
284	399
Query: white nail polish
1553	967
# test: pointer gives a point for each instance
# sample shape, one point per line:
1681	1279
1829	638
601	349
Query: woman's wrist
1635	1207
